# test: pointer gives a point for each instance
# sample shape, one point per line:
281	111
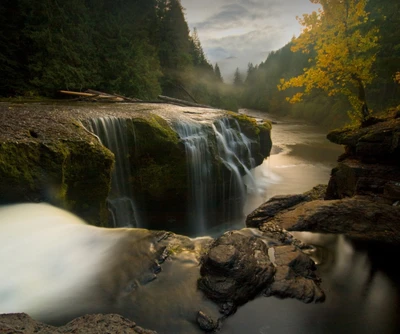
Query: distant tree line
137	48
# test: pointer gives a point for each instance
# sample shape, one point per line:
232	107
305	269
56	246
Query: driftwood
129	99
94	95
182	102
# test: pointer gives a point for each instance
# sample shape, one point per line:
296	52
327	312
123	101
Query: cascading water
112	132
234	149
200	173
209	206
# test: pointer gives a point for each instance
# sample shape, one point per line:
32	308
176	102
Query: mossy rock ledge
48	155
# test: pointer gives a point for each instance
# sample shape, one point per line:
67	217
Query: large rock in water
136	273
47	155
371	164
363	194
243	264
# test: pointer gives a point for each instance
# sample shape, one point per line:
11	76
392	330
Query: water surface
301	158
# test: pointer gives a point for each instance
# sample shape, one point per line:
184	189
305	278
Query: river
362	288
301	158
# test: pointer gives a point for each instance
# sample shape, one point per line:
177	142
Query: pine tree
237	78
217	73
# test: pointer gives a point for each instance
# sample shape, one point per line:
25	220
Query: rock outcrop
241	265
47	154
363	194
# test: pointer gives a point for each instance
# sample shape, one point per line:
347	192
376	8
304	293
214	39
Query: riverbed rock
239	266
371	163
358	217
87	324
295	276
48	154
235	269
276	204
48	157
206	323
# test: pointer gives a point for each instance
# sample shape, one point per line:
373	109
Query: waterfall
200	173
207	205
113	134
234	149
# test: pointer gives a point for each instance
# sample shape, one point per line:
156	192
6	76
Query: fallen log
92	95
128	99
182	102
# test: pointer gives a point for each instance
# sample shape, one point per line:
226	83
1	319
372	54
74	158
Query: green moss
247	124
74	175
158	158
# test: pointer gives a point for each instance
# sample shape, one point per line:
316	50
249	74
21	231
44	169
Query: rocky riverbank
363	194
147	269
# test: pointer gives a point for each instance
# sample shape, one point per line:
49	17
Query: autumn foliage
343	49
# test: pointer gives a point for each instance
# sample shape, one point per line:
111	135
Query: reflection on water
362	294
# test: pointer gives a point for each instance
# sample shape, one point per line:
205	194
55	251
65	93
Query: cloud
227	17
235	32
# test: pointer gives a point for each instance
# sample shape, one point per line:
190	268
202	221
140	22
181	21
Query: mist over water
49	259
55	267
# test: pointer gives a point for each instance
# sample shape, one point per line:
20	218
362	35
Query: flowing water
301	158
200	173
50	273
361	287
360	281
113	134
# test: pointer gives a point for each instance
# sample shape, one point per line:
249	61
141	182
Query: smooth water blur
361	287
113	134
301	158
55	267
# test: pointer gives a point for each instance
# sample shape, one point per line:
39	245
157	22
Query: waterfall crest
113	134
218	161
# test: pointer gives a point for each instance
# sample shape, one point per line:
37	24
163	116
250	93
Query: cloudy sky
236	32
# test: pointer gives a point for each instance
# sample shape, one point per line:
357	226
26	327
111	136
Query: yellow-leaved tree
345	49
397	77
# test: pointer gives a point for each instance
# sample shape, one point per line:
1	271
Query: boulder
276	204
358	217
240	265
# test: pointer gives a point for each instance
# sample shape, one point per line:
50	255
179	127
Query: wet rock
240	266
239	274
392	190
357	217
205	322
88	324
295	276
352	177
269	209
277	204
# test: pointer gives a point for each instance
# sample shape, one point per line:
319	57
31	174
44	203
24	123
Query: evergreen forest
143	48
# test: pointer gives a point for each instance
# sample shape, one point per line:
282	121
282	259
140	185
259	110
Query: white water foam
48	258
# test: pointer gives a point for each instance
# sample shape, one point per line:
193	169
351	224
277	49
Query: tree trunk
362	99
